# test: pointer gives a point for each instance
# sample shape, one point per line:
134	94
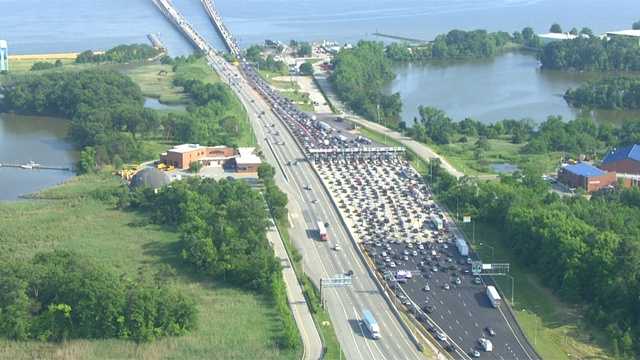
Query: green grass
155	80
232	323
312	294
462	156
288	89
556	329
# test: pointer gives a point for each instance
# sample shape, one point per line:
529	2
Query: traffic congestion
414	247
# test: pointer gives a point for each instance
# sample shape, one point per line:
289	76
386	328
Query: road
344	305
311	341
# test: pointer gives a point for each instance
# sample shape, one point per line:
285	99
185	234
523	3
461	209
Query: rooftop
634	33
247	157
183	148
558	36
3	44
630	152
584	169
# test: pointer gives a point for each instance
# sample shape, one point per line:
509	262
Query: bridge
226	35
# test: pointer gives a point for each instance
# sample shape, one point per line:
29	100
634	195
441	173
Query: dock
34	166
402	38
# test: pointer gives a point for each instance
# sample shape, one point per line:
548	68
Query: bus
371	323
322	231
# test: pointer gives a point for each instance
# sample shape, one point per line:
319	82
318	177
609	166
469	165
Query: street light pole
512	289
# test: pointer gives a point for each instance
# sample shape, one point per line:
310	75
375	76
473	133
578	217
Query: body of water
510	86
38	139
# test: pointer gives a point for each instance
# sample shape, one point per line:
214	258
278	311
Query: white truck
493	296
462	246
485	344
437	222
371	324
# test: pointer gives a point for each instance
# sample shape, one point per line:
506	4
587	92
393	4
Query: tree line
360	75
580	136
61	295
108	117
119	54
254	54
223	226
460	44
587	251
591	53
609	93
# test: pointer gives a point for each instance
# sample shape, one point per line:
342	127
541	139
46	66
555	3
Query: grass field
557	330
155	80
232	323
462	156
288	89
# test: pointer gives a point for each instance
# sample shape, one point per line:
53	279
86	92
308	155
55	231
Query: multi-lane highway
307	207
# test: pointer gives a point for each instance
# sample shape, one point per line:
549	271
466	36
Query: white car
337	247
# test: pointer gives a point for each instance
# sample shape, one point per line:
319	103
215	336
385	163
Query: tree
306	68
304	49
636	25
573	31
555	28
195	167
266	172
585	31
87	163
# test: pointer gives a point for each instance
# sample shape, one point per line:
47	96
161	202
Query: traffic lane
463	311
364	289
363	284
344	325
341	305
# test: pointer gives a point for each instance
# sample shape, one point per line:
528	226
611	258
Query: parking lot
393	215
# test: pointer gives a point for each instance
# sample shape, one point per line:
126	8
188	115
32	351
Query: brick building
241	160
626	163
586	176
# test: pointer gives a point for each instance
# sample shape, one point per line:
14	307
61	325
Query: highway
345	305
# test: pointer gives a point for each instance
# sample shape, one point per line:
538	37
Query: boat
30	165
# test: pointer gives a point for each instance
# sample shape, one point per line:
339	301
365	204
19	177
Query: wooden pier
33	166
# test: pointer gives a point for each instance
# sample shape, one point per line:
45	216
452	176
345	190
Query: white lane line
364	335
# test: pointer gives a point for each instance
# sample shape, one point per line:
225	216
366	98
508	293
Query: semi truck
371	324
437	222
322	231
493	296
462	246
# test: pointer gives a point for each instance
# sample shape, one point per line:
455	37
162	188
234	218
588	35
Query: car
427	288
446	286
458	281
490	331
434	269
428	308
326	224
475	353
337	247
392	264
448	347
307	187
314	201
469	261
477	280
441	336
349	273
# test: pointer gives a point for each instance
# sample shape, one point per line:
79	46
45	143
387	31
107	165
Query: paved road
310	337
345	305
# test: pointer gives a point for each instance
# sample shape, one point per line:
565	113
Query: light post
512	289
491	247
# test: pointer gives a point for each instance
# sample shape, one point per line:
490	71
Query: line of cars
411	243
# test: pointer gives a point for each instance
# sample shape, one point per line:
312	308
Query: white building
4	56
633	34
552	37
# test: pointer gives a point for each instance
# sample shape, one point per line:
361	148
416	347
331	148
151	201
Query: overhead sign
336	281
476	267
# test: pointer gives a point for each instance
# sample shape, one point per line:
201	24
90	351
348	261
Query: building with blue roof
586	176
625	160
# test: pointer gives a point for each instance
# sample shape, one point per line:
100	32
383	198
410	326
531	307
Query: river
509	86
38	139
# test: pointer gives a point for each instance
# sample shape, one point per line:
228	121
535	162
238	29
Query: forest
592	54
108	117
223	227
61	295
587	251
610	93
460	44
580	136
119	54
360	75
